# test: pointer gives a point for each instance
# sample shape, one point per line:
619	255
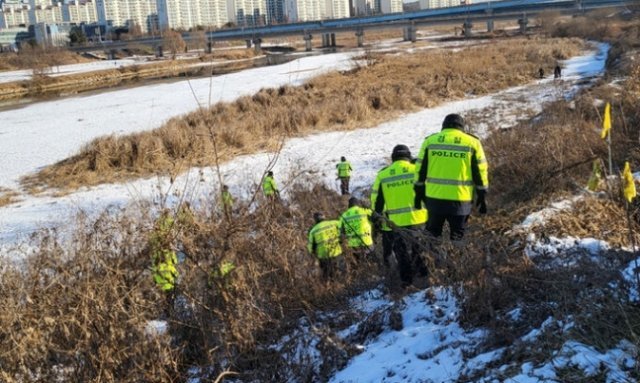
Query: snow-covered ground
72	123
46	132
63	70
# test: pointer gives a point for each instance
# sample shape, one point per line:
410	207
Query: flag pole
610	156
632	241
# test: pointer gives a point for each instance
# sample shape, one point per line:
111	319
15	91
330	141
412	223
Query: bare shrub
83	312
173	42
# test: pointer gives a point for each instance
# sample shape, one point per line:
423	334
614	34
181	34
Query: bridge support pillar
333	39
360	37
209	47
490	26
111	54
326	40
409	33
248	41
307	42
159	52
257	42
523	22
466	28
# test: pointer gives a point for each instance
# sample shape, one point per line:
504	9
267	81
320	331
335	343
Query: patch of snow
156	327
429	348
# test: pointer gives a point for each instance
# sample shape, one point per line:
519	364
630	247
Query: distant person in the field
344	175
269	187
557	72
541	73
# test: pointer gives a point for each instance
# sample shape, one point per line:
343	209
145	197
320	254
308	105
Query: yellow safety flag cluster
628	184
606	121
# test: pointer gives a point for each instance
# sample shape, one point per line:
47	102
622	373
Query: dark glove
419	191
481	202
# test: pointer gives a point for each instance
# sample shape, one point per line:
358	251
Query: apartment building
374	7
309	10
128	12
187	14
80	11
429	4
247	12
14	13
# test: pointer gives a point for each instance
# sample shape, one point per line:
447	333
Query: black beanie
400	151
453	121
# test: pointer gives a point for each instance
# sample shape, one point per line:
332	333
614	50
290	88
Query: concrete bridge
465	15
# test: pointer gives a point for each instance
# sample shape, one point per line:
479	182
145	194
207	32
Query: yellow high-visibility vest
356	225
269	187
395	182
344	169
324	239
451	157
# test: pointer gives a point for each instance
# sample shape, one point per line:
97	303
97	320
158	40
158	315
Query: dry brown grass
8	196
43	85
30	58
358	98
80	313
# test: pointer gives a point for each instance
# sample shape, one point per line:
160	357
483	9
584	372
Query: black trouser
330	266
457	225
344	185
406	247
387	246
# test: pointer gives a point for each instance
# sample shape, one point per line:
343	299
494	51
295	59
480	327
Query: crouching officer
355	224
450	167
392	196
324	243
164	258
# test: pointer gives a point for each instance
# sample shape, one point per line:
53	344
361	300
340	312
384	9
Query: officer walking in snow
451	166
344	175
324	242
269	187
393	196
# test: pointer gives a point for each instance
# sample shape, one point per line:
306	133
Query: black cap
400	151
353	201
317	216
270	173
453	121
343	158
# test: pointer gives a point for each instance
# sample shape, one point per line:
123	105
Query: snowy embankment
46	132
71	124
63	70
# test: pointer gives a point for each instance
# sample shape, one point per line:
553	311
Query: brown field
36	58
362	97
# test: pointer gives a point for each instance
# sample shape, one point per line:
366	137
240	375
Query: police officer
393	196
324	243
451	166
227	201
355	224
163	257
269	187
344	175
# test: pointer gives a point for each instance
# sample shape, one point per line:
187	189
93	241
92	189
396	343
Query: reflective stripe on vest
344	169
396	182
450	155
326	237
357	227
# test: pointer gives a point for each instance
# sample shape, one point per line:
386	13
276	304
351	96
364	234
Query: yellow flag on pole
606	122
628	184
